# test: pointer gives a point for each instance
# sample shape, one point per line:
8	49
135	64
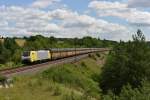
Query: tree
128	93
11	45
127	64
37	42
5	54
52	42
9	51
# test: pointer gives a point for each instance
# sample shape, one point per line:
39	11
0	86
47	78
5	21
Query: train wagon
55	53
61	53
33	56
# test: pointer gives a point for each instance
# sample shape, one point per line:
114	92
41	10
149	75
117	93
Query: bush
70	77
57	91
83	64
72	96
98	55
61	75
128	93
2	79
92	56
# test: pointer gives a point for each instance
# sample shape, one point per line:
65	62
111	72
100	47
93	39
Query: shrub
128	93
57	91
67	76
72	96
92	56
98	55
2	78
83	64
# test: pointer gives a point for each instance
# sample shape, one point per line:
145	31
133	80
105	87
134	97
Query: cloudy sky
109	19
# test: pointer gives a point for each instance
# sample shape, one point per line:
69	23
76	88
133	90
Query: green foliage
72	76
5	54
127	64
41	42
72	96
65	76
11	51
83	64
57	91
98	55
92	56
37	42
2	78
128	93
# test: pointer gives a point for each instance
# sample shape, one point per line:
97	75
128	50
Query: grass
20	42
74	81
10	65
2	40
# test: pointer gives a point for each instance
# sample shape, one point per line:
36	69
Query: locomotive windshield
26	53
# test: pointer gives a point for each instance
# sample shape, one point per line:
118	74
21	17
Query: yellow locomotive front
29	56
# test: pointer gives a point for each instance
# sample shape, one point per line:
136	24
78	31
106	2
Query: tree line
10	51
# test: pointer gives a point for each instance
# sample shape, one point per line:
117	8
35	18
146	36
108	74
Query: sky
105	19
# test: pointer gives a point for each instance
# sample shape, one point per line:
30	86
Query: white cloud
19	21
43	3
104	5
77	25
131	15
139	3
61	14
73	19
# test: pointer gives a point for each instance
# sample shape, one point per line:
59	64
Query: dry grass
2	40
20	42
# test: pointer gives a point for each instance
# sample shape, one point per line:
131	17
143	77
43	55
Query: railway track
31	69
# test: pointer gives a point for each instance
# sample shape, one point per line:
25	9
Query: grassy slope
76	81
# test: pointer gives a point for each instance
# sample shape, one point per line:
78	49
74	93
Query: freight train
52	54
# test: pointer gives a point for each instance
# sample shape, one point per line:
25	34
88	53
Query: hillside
74	81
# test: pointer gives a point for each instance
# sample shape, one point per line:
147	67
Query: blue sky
109	19
15	2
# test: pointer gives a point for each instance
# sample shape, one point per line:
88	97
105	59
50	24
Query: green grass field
74	81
